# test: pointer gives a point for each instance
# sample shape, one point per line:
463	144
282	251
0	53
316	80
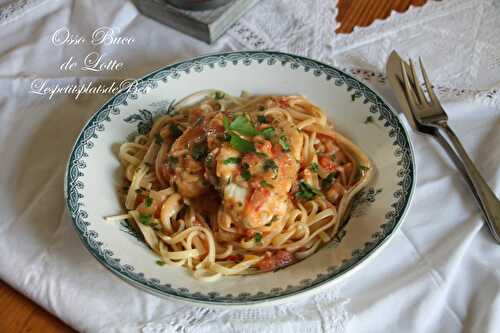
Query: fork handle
486	197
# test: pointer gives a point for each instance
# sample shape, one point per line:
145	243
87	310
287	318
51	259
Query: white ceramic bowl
92	174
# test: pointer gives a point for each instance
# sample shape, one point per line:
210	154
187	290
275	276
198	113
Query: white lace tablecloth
440	273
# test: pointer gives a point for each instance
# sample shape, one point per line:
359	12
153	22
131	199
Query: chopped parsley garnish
267	133
175	130
149	201
274	219
306	191
209	161
219	95
369	119
199	121
283	141
243	126
270	165
262	119
261	154
160	262
245	174
241	145
264	183
325	183
363	168
225	122
199	151
236	142
232	160
258	237
314	167
333	157
158	139
172	161
145	219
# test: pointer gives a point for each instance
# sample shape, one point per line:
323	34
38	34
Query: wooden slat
18	314
15	310
363	12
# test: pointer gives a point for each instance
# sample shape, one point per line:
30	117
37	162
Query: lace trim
304	28
397	21
246	36
490	97
368	47
253	33
16	9
325	312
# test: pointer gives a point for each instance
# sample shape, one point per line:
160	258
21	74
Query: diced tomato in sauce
255	183
267	264
157	213
216	124
249	233
264	147
327	163
328	143
235	257
276	150
283	103
284	258
280	259
250	159
139	199
194	114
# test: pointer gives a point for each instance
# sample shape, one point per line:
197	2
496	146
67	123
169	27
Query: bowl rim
104	256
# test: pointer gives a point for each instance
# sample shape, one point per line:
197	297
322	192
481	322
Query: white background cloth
441	271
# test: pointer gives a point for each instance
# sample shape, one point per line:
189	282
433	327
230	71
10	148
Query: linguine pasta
229	185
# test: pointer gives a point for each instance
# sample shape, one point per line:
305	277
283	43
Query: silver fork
430	113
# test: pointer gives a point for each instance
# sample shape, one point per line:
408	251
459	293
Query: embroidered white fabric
302	27
321	313
461	38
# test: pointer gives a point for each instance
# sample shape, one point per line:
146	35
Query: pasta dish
228	185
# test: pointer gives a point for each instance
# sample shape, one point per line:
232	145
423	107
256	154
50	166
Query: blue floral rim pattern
359	93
